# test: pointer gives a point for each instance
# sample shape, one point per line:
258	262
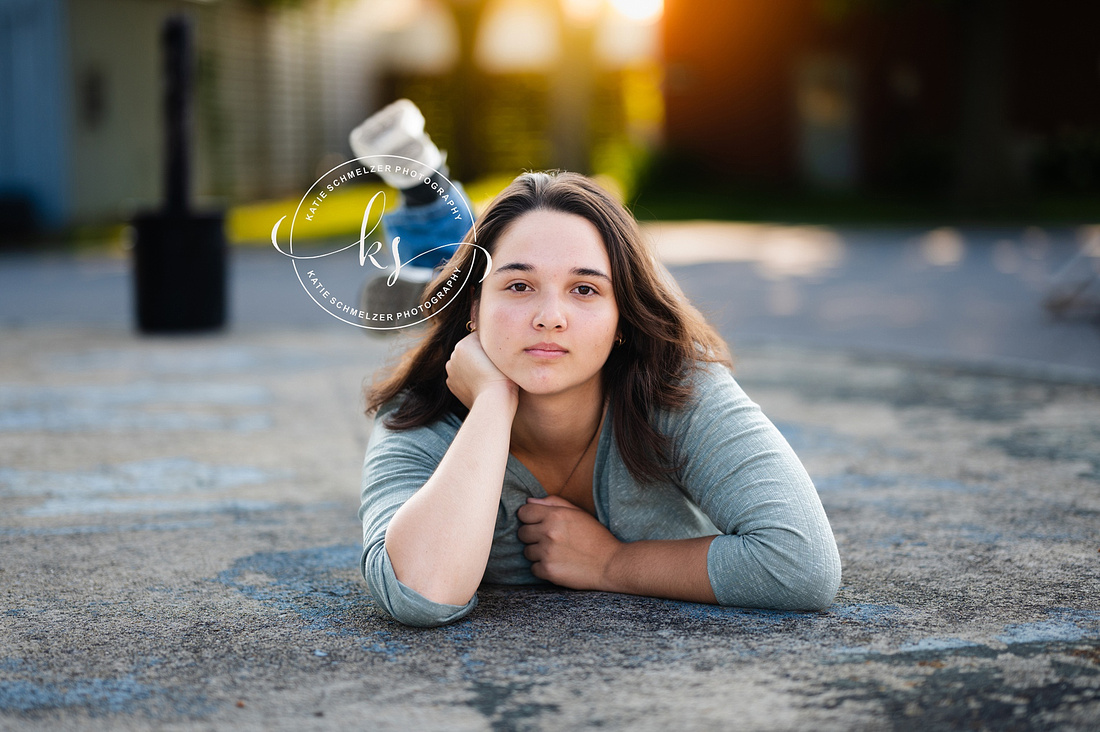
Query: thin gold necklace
586	449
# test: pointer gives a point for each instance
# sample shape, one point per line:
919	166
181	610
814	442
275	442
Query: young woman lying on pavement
573	419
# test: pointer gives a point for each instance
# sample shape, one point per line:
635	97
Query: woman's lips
546	350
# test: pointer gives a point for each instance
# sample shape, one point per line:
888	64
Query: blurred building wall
113	124
282	87
277	87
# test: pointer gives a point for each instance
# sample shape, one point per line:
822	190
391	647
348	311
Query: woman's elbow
413	609
440	593
817	593
815	584
802	575
405	604
419	618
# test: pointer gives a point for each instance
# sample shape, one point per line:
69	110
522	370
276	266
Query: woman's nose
550	314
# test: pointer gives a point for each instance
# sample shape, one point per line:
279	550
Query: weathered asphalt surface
178	536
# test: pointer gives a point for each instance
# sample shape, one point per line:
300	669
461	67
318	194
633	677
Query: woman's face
547	317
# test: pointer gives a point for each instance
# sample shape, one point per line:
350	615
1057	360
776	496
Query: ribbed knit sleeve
397	464
776	549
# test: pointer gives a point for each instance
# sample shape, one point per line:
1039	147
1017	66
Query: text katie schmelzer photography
442	190
424	308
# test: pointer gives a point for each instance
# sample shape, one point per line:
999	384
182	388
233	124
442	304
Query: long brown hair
664	336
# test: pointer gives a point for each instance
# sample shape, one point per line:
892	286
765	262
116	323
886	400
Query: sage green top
739	480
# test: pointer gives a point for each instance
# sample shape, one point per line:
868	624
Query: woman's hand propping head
470	373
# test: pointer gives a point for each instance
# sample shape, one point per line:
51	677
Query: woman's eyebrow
587	272
525	267
515	267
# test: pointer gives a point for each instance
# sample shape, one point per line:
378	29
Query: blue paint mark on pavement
102	695
937	644
321	586
1066	625
99	696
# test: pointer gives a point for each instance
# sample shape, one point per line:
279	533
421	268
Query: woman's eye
585	290
518	287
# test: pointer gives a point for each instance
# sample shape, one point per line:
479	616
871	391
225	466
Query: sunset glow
642	11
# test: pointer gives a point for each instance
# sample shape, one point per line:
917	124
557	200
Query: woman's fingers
565	544
528	534
537	508
470	371
553	501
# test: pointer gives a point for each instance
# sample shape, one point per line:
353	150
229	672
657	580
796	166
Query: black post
177	114
179	255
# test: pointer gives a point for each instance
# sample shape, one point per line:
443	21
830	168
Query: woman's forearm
439	540
675	569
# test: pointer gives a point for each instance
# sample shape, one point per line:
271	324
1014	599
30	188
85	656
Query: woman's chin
549	387
539	390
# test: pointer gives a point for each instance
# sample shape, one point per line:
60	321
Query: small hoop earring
470	326
619	341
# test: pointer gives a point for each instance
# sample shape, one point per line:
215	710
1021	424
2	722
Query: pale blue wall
34	113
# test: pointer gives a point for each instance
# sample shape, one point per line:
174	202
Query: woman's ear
473	312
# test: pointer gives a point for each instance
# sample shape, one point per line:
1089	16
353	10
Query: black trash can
179	255
180	271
